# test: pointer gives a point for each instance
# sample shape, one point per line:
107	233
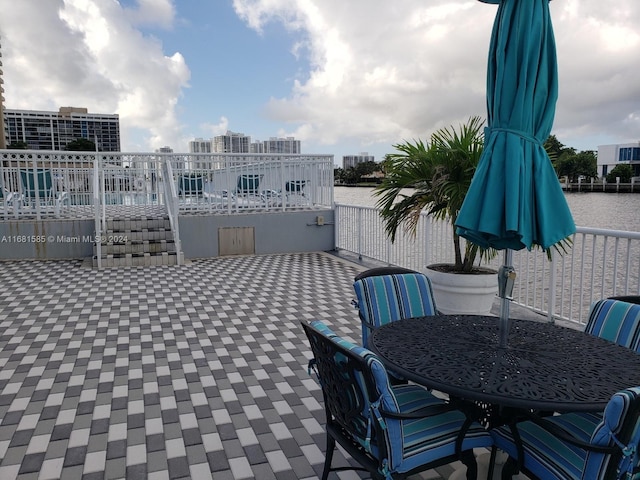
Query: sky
344	77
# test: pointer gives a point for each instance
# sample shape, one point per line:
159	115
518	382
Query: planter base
463	294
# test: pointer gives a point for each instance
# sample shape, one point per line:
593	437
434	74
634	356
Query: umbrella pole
506	279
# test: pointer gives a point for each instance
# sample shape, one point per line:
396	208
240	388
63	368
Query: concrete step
133	242
145	246
138	260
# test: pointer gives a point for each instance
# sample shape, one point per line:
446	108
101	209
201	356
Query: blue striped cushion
546	456
387	298
621	417
616	321
410	442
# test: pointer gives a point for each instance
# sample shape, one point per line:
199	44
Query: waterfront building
611	155
43	130
199	145
350	161
281	145
3	142
231	142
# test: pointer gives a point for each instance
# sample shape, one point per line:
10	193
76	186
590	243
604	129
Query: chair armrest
568	437
429	411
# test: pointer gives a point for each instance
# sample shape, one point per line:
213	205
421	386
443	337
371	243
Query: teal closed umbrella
515	200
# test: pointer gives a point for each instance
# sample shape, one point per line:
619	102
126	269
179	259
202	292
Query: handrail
171	199
97	207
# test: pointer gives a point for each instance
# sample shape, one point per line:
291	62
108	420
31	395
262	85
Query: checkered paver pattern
175	372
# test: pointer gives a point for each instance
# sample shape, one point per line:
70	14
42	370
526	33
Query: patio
195	371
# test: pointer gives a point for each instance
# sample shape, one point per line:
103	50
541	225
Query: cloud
386	71
216	129
88	53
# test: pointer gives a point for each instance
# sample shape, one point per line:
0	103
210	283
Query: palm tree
439	174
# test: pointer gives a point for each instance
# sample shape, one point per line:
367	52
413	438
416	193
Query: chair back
353	381
38	184
620	427
248	183
294	186
382	299
616	321
188	185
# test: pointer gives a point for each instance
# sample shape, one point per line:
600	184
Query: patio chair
617	321
391	431
387	294
248	184
627	298
294	191
38	187
576	445
190	185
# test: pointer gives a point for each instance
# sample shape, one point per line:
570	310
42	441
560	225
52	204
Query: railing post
97	208
552	286
359	230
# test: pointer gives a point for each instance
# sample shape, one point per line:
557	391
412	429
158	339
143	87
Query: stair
136	242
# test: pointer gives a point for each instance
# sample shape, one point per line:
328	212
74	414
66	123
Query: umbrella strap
519	133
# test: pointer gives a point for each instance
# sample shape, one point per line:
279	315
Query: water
615	211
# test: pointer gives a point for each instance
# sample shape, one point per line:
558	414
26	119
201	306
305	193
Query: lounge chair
294	191
39	190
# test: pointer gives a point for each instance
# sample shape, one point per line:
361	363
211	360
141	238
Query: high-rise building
200	145
42	130
350	161
231	142
3	142
281	145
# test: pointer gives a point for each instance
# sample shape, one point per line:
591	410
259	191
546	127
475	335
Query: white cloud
219	128
87	53
384	71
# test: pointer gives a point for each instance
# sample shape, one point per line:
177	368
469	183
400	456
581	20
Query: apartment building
43	130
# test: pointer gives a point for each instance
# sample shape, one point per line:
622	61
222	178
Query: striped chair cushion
410	442
616	321
548	457
386	298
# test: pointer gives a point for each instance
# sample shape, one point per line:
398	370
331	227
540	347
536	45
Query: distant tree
575	165
18	146
624	171
366	168
80	145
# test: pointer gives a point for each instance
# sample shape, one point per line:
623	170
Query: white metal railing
172	208
41	184
98	212
600	263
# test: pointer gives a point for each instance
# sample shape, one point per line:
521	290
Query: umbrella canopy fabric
515	200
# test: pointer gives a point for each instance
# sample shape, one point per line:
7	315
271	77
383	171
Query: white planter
463	294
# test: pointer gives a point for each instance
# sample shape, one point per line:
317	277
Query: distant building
165	149
231	142
3	141
350	161
42	130
611	155
256	147
281	145
200	145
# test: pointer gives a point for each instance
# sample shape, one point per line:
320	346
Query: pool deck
170	372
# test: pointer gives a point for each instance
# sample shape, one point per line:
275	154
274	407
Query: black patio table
545	367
